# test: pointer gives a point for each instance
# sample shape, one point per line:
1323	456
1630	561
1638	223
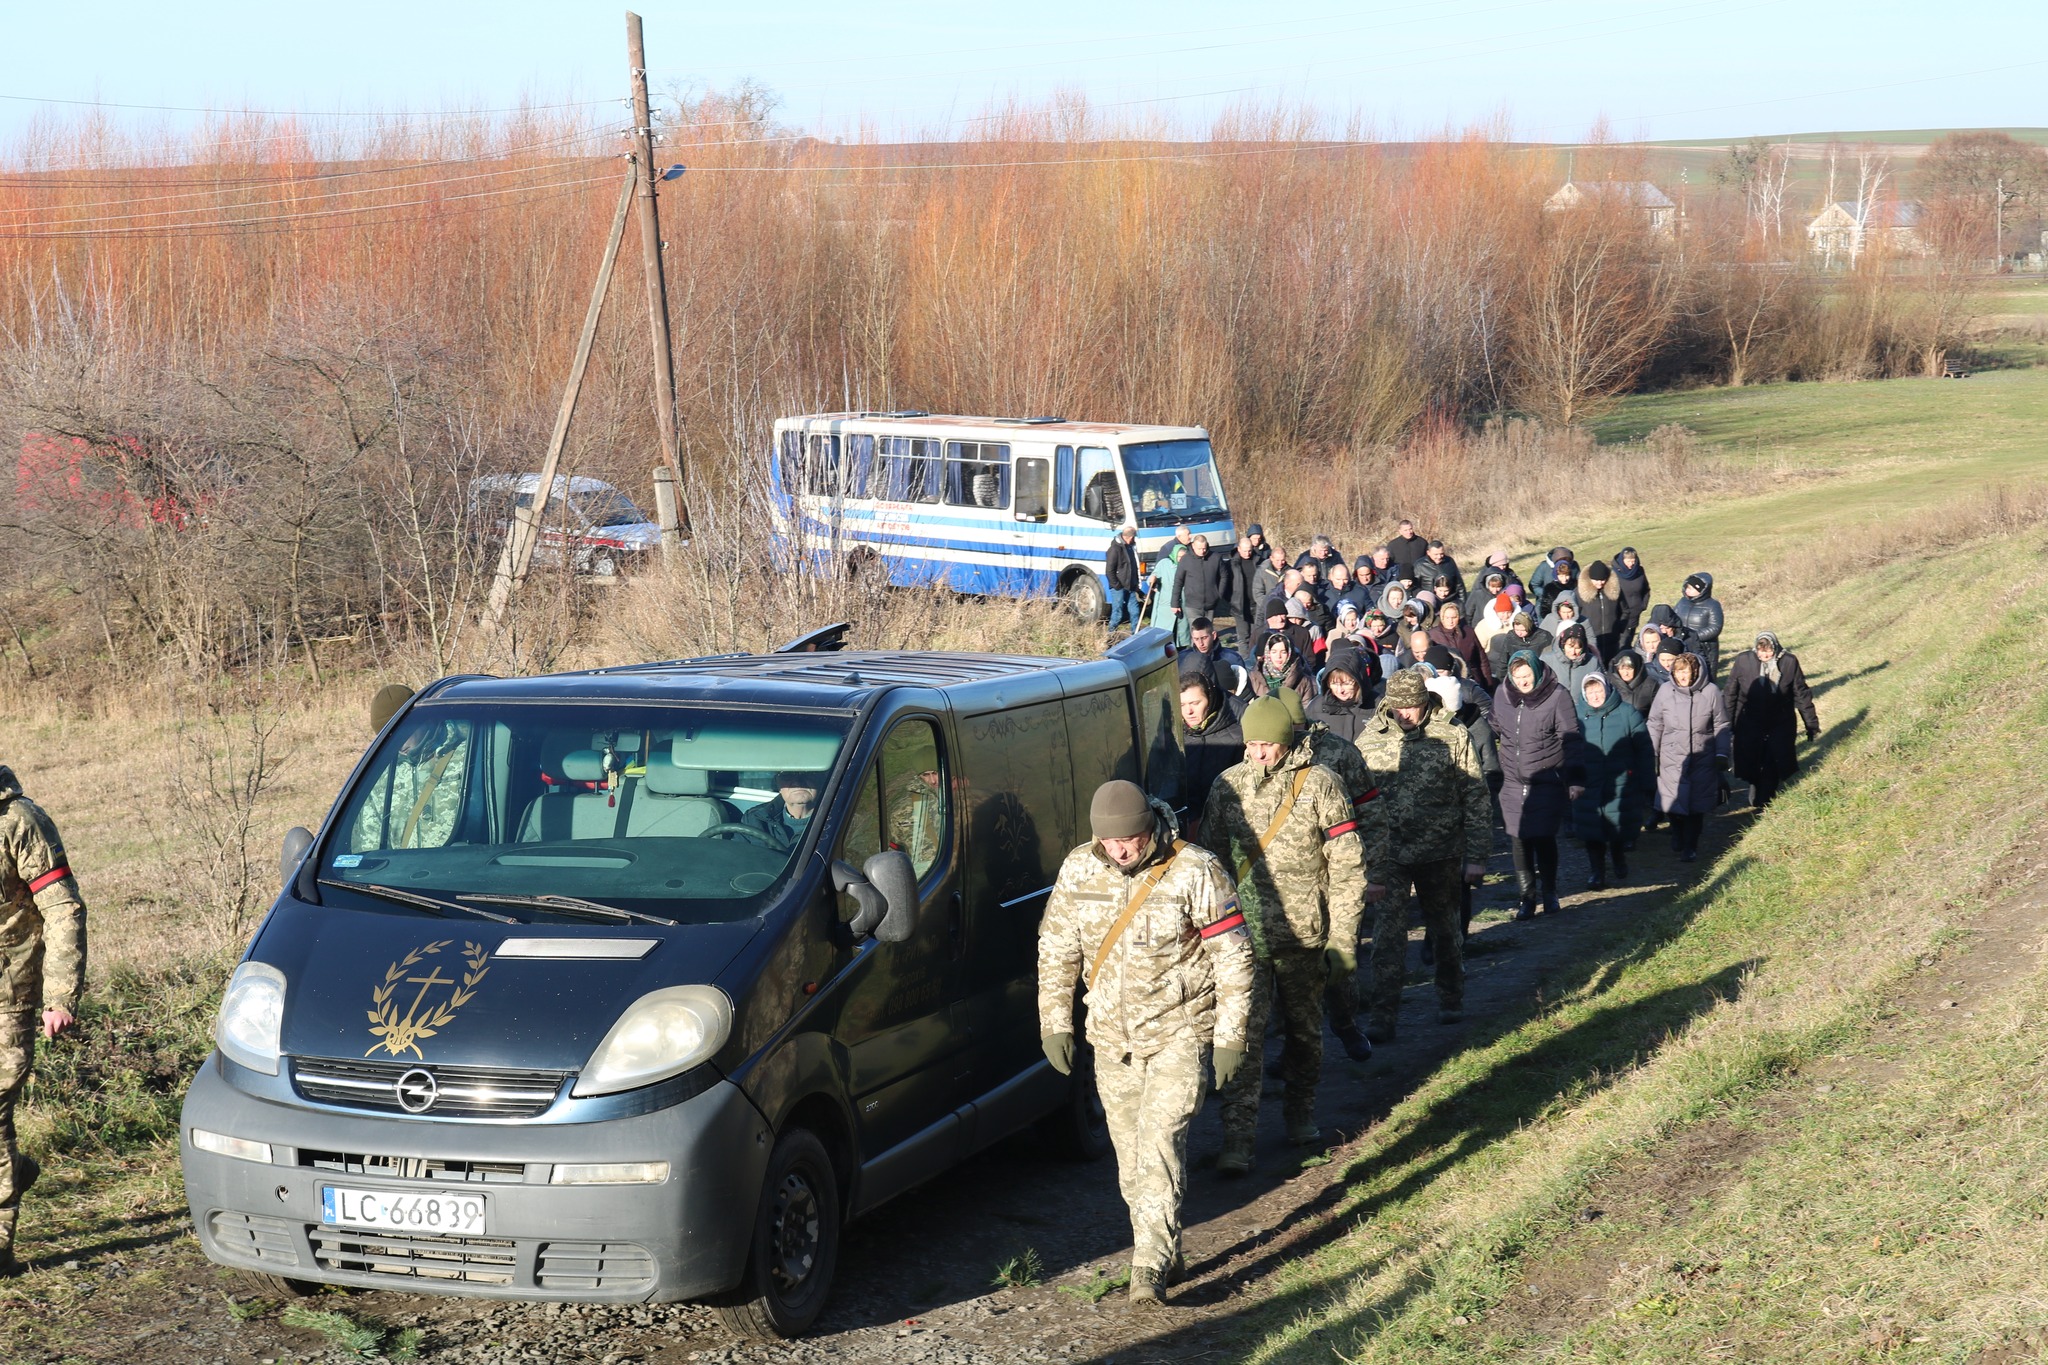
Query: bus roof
1048	426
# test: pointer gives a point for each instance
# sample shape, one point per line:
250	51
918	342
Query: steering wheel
735	827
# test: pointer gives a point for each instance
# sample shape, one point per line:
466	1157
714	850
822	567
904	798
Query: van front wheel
795	1246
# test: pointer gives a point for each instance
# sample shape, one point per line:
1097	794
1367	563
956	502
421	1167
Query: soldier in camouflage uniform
1305	887
42	968
1340	756
1164	988
1442	821
414	802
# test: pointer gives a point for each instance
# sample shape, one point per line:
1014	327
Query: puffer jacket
1703	617
1569	674
1203	585
1217	746
1621	770
1689	726
1542	754
1639	693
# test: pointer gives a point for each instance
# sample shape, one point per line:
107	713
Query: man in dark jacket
1244	598
1635	591
1766	691
1256	534
1322	554
1120	567
1374	570
1223	667
1202	587
1699	613
1406	547
1437	572
1600	611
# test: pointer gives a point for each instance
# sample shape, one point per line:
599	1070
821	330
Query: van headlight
252	1017
663	1034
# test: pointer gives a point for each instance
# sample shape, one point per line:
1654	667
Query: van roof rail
1028	421
824	640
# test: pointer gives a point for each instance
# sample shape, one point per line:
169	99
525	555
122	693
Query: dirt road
915	1282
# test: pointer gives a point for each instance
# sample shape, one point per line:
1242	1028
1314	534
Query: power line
245	112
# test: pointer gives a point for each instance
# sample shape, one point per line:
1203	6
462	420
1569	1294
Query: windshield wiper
573	905
438	906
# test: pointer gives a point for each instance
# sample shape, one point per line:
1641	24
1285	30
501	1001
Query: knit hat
384	704
1599	573
1291	699
1407	688
1504	603
1266	722
1120	810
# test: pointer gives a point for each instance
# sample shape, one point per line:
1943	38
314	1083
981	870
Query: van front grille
415	1167
268	1240
461	1092
475	1260
594	1265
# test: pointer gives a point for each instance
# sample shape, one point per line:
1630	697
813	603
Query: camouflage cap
1407	688
1266	722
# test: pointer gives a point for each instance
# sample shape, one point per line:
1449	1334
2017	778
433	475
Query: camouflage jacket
414	802
1308	887
1343	758
42	918
917	820
1436	801
1181	968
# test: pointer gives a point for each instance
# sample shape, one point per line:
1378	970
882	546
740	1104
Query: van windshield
609	507
1173	482
689	813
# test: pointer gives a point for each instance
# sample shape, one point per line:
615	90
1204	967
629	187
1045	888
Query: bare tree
1595	302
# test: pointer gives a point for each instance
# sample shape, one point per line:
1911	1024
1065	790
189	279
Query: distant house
1839	234
1658	212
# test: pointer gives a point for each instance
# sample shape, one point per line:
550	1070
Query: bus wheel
1085	598
859	562
794	1248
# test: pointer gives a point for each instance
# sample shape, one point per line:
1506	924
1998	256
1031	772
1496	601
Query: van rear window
692	814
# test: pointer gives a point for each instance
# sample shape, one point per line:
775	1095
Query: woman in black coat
1632	679
1766	695
1635	591
1543	770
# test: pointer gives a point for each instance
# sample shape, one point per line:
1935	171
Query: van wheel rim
794	1232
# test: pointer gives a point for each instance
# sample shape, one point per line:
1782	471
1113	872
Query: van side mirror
874	906
297	840
891	874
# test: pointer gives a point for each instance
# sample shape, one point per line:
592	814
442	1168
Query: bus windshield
1172	482
688	813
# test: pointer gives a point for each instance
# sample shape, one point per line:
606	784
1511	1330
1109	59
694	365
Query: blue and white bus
1001	506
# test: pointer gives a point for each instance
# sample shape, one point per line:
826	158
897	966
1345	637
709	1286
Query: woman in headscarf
1543	770
1280	665
1621	771
1767	696
1635	591
1164	570
1346	703
1571	658
1631	678
1689	726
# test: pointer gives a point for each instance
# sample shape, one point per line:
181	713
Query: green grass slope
1903	1219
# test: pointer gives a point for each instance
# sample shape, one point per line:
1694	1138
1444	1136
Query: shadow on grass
1827	685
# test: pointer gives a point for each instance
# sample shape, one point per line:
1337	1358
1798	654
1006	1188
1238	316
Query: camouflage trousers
1440	887
17	1050
1290	984
1149	1102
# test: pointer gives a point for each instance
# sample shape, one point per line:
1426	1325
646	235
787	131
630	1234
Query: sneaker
1237	1157
1356	1045
1145	1284
1302	1132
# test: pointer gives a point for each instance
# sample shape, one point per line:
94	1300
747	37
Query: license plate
457	1214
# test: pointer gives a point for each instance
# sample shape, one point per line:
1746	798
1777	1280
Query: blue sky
1652	68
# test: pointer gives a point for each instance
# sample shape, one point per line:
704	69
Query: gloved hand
1724	763
1340	962
1813	736
1574	793
1059	1050
1225	1061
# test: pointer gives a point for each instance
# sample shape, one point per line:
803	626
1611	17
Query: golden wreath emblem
424	1016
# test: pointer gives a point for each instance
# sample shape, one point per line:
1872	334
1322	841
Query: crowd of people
1355	733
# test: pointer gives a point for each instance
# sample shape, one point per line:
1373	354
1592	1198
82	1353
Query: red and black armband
49	879
1233	918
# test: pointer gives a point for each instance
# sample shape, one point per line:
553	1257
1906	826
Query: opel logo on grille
417	1090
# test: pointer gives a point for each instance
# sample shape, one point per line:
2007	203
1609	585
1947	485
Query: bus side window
1063	480
977	474
792	462
823	466
1032	493
1101	499
860	462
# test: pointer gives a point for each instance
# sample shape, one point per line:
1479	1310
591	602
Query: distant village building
1655	206
1839	234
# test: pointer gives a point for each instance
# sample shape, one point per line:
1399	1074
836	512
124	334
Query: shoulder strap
1279	816
1130	911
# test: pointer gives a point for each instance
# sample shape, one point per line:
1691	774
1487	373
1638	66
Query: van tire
278	1286
794	1247
1079	1130
1085	598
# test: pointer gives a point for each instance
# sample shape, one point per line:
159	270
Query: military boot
1237	1155
1356	1045
1145	1286
1302	1130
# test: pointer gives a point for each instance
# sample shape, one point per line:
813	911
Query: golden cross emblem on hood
424	1015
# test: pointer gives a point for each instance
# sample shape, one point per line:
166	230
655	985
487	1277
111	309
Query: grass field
1652	1171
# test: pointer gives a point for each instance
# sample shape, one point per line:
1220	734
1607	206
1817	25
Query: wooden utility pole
526	522
650	259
